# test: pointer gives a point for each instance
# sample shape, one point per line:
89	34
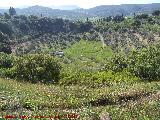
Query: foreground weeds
138	100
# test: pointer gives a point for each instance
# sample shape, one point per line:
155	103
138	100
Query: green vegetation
110	64
37	68
139	100
88	50
32	34
145	63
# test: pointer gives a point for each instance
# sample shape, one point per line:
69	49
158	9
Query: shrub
142	16
6	61
97	78
107	77
8	72
145	63
6	65
156	13
38	68
117	63
6	49
72	77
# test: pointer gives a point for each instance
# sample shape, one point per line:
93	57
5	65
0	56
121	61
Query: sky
80	3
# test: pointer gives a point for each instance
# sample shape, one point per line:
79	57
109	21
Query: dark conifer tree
12	11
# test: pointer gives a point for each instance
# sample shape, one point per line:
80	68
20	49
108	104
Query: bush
6	61
97	78
6	65
37	68
8	72
145	63
75	77
107	77
142	16
117	63
156	13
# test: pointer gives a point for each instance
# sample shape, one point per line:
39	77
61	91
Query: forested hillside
31	34
125	9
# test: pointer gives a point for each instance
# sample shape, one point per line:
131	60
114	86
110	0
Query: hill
73	12
125	9
49	12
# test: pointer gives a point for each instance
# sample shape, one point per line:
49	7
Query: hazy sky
80	3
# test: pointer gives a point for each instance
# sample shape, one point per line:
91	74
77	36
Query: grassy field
88	49
86	55
123	101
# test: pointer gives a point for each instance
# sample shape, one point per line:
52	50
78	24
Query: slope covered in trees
125	9
31	34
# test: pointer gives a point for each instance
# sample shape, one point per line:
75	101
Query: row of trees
120	18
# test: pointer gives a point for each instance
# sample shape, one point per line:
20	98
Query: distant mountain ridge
126	9
49	12
79	13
